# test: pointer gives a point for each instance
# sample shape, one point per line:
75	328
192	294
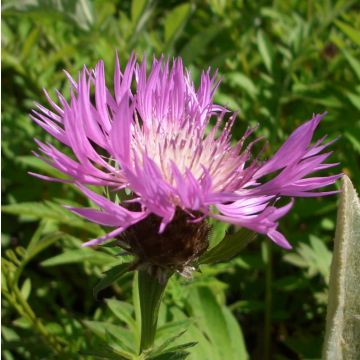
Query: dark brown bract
178	246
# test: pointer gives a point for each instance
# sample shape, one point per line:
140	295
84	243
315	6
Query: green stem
268	301
151	291
23	308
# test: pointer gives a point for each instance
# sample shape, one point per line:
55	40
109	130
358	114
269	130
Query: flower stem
268	300
151	290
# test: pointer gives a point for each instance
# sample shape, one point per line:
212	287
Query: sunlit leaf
343	319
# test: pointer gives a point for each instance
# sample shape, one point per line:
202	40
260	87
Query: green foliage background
280	61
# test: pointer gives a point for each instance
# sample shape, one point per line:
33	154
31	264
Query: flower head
151	136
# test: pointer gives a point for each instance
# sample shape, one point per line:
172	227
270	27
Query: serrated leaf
343	313
110	277
229	247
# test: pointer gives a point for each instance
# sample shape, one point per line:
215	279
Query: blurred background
280	61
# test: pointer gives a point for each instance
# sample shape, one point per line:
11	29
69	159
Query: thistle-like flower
151	136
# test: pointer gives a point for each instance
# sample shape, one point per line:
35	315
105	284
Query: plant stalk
268	300
151	291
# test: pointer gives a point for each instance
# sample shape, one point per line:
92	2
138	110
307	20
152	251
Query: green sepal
229	247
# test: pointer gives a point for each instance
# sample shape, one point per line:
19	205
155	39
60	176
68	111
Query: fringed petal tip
102	239
49	178
279	239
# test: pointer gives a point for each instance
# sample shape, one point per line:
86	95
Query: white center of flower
190	149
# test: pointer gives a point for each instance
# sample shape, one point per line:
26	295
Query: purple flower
151	136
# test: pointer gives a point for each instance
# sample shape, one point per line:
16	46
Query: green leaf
106	352
171	356
169	341
236	335
30	161
354	140
212	321
198	43
44	243
343	319
124	338
30	42
351	32
136	299
244	82
137	8
265	49
123	310
229	247
26	289
80	12
141	11
175	21
172	328
181	347
315	257
354	63
78	256
110	277
203	349
51	211
353	98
